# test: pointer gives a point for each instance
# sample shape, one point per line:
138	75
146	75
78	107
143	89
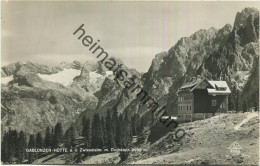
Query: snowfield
6	80
64	77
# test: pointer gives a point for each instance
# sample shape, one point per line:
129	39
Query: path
249	116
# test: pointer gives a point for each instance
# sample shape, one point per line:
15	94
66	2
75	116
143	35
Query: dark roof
190	84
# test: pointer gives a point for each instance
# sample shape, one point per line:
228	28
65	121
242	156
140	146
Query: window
222	106
221	88
187	107
190	107
214	102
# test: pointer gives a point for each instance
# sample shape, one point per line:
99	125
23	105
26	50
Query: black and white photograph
129	82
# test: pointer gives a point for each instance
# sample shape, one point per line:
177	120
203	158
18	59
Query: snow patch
94	77
6	80
108	73
64	77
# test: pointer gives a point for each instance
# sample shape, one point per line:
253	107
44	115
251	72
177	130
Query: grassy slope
206	142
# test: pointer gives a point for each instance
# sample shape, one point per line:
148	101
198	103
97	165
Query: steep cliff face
238	52
227	53
241	17
169	70
226	57
250	93
113	95
182	53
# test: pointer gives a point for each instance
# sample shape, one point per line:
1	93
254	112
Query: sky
135	32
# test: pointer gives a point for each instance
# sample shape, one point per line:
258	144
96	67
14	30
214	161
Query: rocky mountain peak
227	27
157	61
73	65
241	17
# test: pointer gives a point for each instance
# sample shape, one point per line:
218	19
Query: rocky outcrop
113	95
250	93
241	17
32	109
30	103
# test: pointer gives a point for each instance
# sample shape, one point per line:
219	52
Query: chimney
220	77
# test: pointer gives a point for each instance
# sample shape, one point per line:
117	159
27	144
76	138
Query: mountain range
35	96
